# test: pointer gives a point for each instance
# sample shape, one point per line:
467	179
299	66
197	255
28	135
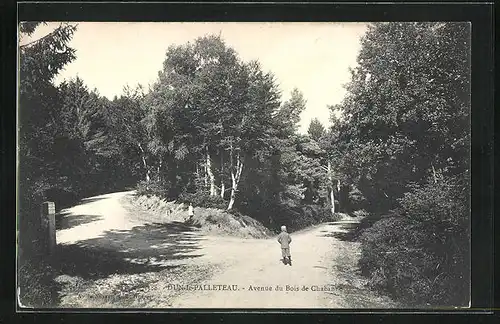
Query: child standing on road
284	239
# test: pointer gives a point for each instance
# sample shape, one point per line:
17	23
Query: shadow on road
346	232
67	220
141	249
350	232
90	200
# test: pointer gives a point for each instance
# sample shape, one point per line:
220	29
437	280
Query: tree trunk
159	169
235	178
221	151
233	197
332	197
210	175
222	189
199	177
205	176
148	178
338	190
222	185
144	162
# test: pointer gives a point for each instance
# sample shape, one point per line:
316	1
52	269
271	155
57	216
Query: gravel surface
113	255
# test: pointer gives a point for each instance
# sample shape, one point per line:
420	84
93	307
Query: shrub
420	253
62	198
35	274
36	282
361	213
153	188
202	199
297	218
356	198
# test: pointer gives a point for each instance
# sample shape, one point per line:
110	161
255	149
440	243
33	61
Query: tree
316	130
260	186
125	119
38	169
40	60
192	110
224	82
253	123
85	146
289	114
286	122
406	108
403	141
218	126
331	183
212	107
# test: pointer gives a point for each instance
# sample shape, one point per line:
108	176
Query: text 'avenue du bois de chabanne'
228	287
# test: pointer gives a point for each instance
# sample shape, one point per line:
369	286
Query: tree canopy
316	130
406	113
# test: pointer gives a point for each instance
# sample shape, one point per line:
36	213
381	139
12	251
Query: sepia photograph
243	165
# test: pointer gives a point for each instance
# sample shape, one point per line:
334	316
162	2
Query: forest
213	130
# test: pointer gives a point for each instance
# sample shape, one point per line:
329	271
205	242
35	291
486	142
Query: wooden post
48	215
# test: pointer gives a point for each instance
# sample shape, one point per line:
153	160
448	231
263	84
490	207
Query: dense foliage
420	253
39	164
406	114
316	130
214	126
403	141
40	61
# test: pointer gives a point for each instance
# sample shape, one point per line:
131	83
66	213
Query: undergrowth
420	253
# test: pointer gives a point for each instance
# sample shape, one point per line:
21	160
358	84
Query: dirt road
110	257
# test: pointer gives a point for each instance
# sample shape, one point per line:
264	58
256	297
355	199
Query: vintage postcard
242	165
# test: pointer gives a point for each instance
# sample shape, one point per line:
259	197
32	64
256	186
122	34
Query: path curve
251	269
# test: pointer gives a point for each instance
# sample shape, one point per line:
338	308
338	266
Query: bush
62	198
297	218
360	213
153	188
202	199
420	253
35	274
36	282
356	199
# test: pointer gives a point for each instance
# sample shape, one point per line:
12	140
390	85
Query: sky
313	57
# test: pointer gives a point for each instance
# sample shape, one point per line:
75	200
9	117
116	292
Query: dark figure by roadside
284	239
